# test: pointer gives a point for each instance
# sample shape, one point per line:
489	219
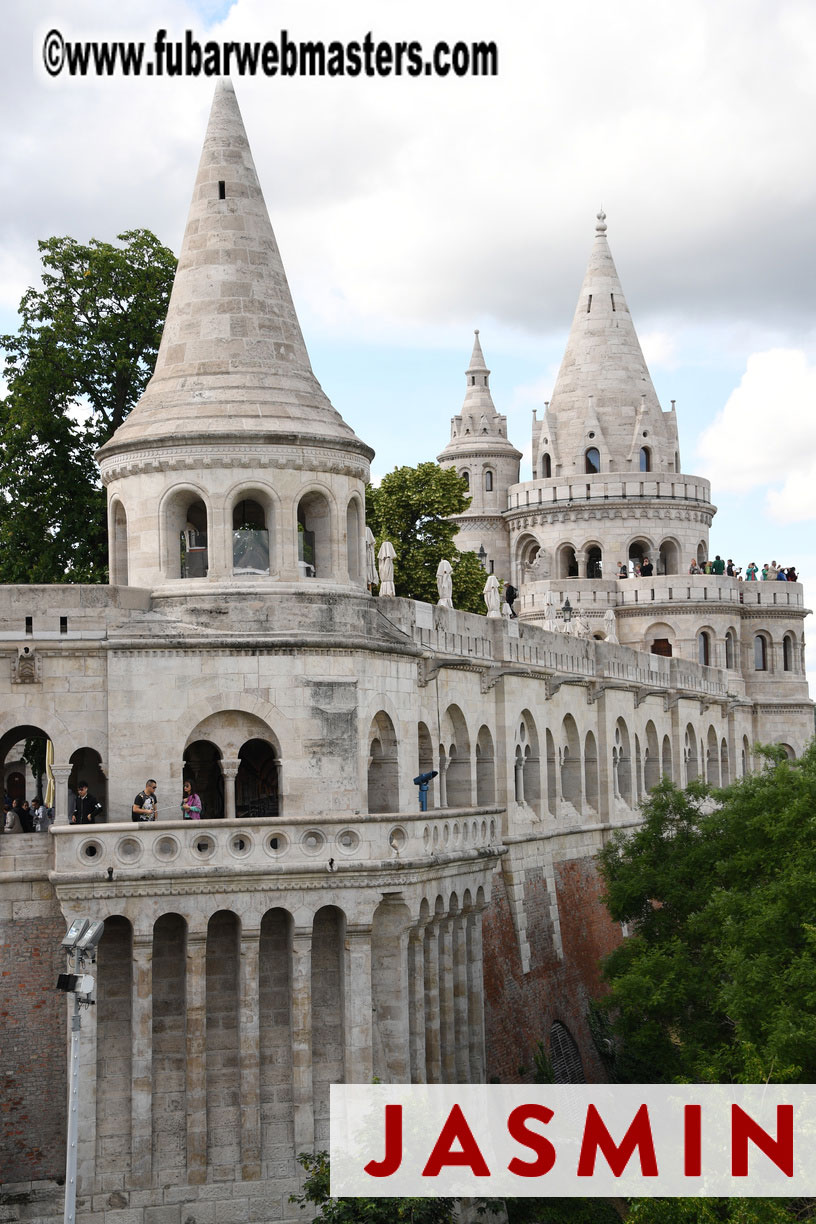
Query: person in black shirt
145	805
510	596
86	808
646	568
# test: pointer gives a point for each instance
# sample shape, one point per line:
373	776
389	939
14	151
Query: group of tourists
20	816
768	573
639	569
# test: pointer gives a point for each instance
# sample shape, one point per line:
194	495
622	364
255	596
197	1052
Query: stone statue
549	612
492	597
580	627
386	557
610	626
372	577
444	584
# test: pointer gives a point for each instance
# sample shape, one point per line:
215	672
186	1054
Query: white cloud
766	435
658	349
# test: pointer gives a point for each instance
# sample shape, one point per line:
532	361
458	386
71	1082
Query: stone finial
600	228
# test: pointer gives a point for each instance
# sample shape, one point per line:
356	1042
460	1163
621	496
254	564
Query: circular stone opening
347	841
203	846
276	844
240	844
166	848
91	851
312	841
129	850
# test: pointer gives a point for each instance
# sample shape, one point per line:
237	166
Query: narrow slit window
589	303
612	296
63	624
222	189
29	625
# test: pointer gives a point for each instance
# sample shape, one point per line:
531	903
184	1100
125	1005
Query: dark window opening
662	647
593	460
645	459
546	467
29	625
63	624
589	303
613	300
222	189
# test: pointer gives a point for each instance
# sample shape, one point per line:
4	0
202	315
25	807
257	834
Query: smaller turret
480	451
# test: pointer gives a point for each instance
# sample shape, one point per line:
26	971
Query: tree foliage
364	1210
718	982
83	355
411	509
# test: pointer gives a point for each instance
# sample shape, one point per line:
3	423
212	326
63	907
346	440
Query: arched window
730	650
488	481
250	538
704	648
592	459
546	466
594	562
118	550
645	459
760	653
466	477
565	1057
787	653
314	536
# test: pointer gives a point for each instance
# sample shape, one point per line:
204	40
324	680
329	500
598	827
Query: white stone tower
479	451
607	486
233	467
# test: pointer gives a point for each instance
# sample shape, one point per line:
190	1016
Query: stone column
447	1025
359	1036
433	1059
301	1004
61	775
196	1042
460	998
250	1053
443	782
416	1003
229	769
475	988
141	1127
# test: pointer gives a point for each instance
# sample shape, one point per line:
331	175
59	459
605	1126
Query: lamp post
566	611
80	945
482	555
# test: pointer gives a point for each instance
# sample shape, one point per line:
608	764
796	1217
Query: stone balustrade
275	847
594	487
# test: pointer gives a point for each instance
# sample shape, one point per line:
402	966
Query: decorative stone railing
592	488
274	847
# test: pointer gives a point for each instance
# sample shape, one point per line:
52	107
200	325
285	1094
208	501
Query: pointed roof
478	424
603	357
232	358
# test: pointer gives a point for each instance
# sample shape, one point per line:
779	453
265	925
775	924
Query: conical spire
603	365
232	357
478	424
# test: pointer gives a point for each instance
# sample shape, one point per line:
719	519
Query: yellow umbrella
49	786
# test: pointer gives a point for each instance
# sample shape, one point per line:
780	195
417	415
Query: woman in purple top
190	804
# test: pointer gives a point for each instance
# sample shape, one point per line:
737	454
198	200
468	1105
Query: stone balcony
336	845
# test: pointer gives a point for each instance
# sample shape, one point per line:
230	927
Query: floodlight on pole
80	944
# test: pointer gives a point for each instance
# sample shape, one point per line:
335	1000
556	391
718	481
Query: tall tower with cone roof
607	489
480	451
234	467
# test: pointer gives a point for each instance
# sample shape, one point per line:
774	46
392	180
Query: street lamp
566	611
80	943
482	555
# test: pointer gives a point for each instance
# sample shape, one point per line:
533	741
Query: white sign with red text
563	1140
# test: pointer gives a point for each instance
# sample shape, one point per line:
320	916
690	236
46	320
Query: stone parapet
599	487
124	853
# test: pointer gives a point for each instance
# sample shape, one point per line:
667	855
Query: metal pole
73	1120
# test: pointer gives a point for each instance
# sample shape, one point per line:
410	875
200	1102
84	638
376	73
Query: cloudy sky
410	211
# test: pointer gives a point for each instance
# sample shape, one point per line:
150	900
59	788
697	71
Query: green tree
83	355
364	1210
723	904
411	509
717	982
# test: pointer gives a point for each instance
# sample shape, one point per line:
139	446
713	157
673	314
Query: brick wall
33	1063
520	1008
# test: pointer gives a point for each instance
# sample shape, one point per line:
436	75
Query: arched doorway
256	784
202	767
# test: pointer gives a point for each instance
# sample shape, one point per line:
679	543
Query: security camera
74	933
80	984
